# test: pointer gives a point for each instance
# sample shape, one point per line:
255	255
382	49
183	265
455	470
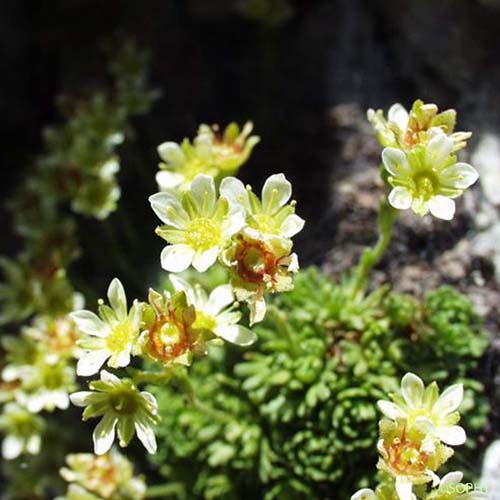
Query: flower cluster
167	331
211	153
105	477
249	236
420	158
416	433
38	375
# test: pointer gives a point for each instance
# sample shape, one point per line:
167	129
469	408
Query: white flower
212	312
108	476
22	431
122	407
112	337
272	215
364	494
428	177
197	225
424	407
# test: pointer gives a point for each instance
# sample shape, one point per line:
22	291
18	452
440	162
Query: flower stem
156	378
163	490
372	256
279	319
185	384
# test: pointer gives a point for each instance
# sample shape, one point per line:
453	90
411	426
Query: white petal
89	323
60	399
400	198
171	153
12	447
398	114
169	210
395	162
109	378
153	404
235	193
176	258
146	436
404	488
203	260
233	222
181	285
219	298
450	400
236	334
82	398
203	191
364	494
123	359
452	478
390	410
33	444
104	434
453	435
275	193
438	149
460	175
168	180
442	207
91	362
412	389
117	298
292	225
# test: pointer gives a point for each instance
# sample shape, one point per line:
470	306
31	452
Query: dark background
213	65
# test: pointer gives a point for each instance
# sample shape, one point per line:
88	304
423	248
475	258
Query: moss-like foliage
296	414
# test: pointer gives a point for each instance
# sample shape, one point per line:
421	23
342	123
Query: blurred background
304	72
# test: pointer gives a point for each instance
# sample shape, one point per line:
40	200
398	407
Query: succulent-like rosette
259	263
170	335
211	153
405	130
418	404
427	178
213	312
124	410
410	455
108	476
22	431
272	214
197	225
112	336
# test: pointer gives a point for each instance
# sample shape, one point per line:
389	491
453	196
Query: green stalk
165	490
278	318
185	384
372	256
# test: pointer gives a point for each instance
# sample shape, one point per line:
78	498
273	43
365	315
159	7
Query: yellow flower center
170	335
204	321
119	338
425	185
202	234
123	402
264	223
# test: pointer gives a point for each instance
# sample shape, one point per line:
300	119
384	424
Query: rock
486	159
